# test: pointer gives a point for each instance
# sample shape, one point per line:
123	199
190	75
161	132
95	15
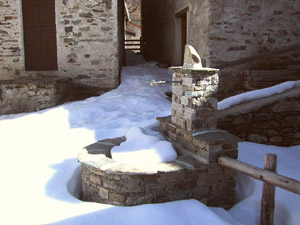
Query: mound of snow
142	148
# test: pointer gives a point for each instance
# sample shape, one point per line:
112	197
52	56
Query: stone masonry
192	128
109	182
194	99
28	95
192	131
272	120
89	42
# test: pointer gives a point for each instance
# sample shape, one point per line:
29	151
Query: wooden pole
268	193
283	182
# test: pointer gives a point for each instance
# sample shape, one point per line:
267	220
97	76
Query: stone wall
89	49
243	28
221	30
11	50
28	95
274	120
110	182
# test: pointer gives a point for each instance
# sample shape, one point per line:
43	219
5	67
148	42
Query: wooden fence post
268	193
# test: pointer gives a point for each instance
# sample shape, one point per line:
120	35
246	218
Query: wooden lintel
182	12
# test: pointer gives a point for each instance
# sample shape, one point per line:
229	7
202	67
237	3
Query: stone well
195	174
110	182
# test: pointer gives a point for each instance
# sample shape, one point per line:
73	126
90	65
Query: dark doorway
39	34
183	34
182	15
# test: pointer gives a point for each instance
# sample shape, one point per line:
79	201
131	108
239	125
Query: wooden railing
133	44
270	179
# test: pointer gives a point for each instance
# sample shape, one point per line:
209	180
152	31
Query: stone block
166	178
187	81
131	185
190	113
201	192
103	193
185	100
276	139
177	90
197	94
111	184
257	138
95	179
118	198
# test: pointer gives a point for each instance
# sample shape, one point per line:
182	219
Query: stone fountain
195	174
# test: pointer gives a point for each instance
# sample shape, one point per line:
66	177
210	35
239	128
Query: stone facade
89	42
224	31
27	95
273	120
221	30
11	60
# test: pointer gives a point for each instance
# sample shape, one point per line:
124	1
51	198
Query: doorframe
182	15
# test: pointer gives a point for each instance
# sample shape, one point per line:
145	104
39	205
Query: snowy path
40	173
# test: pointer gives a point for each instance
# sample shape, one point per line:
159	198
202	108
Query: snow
140	148
40	175
257	94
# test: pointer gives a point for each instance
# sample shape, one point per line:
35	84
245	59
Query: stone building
238	36
78	39
81	42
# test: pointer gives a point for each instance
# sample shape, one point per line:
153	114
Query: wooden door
39	34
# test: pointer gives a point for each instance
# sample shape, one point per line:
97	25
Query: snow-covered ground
40	175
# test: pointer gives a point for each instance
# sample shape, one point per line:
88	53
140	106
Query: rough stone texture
275	122
109	182
258	73
221	30
27	95
204	145
194	100
89	44
11	60
191	58
251	27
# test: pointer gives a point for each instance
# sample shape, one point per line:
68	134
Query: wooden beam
283	182
268	193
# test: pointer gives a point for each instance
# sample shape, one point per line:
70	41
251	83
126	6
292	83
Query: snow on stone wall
272	120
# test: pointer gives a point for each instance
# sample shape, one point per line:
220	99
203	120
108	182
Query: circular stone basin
107	181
